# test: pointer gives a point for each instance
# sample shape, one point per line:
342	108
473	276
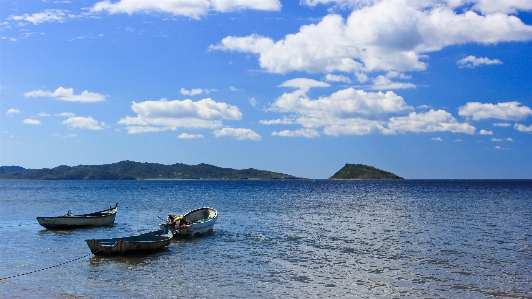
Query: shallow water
277	239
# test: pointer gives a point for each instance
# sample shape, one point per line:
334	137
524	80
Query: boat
195	223
144	243
100	218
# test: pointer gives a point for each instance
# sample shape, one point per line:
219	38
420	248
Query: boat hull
139	244
101	218
200	222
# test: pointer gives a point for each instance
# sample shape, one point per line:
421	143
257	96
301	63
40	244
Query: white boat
143	243
195	223
100	218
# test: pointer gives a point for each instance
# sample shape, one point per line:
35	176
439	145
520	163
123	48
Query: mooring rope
56	265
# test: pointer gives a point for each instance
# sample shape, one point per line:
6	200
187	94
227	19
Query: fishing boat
195	223
143	243
100	218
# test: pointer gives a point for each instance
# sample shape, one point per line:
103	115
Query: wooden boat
100	218
195	223
143	243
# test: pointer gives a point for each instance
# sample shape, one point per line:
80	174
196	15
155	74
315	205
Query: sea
276	239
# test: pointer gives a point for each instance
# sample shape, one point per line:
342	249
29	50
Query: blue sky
427	89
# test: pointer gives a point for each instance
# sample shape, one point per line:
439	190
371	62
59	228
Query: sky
426	89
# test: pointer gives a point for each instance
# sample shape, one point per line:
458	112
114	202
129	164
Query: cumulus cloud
67	94
384	35
436	139
484	132
192	9
30	121
12	111
341	104
431	121
505	111
355	112
237	133
473	62
162	115
523	128
500	148
189	136
308	133
79	122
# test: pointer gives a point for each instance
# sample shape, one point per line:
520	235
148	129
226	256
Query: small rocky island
363	172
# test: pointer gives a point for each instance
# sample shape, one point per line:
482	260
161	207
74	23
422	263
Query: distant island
363	172
130	170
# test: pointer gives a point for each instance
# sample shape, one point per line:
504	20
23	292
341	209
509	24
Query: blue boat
143	243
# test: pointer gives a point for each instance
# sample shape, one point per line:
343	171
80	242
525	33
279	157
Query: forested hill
130	170
363	172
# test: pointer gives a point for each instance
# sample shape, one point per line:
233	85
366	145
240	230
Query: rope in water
56	265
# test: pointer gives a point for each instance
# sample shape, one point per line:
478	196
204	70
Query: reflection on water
278	239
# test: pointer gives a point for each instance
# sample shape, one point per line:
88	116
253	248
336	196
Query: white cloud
505	111
502	125
66	114
506	6
383	83
191	92
337	78
253	102
483	6
431	121
48	15
193	9
284	121
436	139
237	133
499	140
189	136
303	84
231	5
195	91
345	112
308	133
385	35
484	132
165	115
79	122
30	121
500	148
12	111
473	62
523	128
341	104
67	94
42	114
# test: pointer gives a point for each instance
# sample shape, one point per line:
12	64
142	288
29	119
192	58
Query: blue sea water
277	239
